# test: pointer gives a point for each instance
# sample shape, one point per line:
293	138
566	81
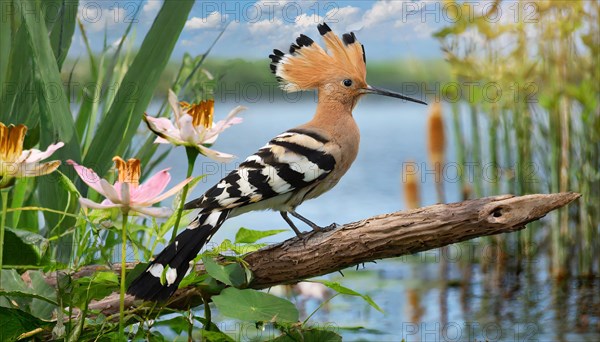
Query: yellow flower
202	113
129	171
18	163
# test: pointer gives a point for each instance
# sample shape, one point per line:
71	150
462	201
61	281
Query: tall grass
543	133
95	125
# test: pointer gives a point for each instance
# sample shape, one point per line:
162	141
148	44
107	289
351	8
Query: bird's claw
333	226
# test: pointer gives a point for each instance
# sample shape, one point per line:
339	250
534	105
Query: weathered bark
379	237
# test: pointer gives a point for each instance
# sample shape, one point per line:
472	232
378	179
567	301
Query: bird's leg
290	223
305	220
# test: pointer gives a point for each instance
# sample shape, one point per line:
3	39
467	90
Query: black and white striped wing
292	160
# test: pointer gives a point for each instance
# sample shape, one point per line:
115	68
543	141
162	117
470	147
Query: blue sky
388	29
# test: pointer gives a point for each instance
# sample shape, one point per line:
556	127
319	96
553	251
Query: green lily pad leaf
12	282
14	323
35	297
255	306
245	235
194	279
177	324
21	294
22	247
237	248
309	335
98	286
346	291
42	307
232	274
216	336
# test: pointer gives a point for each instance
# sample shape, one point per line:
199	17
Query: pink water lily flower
18	163
127	194
193	126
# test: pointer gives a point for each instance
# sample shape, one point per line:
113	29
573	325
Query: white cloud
382	12
212	21
279	33
273	32
152	6
343	13
280	22
305	22
421	30
345	18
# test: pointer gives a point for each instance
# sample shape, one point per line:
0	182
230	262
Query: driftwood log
379	237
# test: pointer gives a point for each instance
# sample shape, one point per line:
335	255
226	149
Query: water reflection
504	303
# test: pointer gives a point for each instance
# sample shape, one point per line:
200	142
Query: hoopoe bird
297	165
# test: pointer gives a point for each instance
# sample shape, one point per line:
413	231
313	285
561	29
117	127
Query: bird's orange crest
308	66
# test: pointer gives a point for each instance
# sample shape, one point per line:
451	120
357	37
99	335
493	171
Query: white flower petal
160	140
110	192
222	125
93	205
187	131
32	169
159	124
216	155
37	155
162	127
157	212
125	195
174	103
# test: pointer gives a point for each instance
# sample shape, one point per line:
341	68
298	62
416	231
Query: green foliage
36	298
14	323
232	274
245	235
22	247
542	131
97	286
133	97
294	335
346	291
255	306
96	125
216	336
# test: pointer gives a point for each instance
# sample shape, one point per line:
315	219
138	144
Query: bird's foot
332	226
317	228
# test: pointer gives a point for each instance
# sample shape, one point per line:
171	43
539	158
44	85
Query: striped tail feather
177	256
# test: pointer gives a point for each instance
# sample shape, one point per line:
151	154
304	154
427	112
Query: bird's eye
347	82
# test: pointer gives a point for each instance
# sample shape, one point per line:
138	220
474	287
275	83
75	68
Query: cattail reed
460	148
545	129
416	310
412	198
436	145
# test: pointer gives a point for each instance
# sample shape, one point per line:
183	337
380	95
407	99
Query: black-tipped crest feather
323	29
308	65
349	38
304	41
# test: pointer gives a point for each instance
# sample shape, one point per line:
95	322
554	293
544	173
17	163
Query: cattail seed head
412	196
436	143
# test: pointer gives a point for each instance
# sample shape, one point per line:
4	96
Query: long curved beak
373	90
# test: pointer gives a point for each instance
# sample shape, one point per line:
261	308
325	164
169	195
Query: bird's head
339	74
